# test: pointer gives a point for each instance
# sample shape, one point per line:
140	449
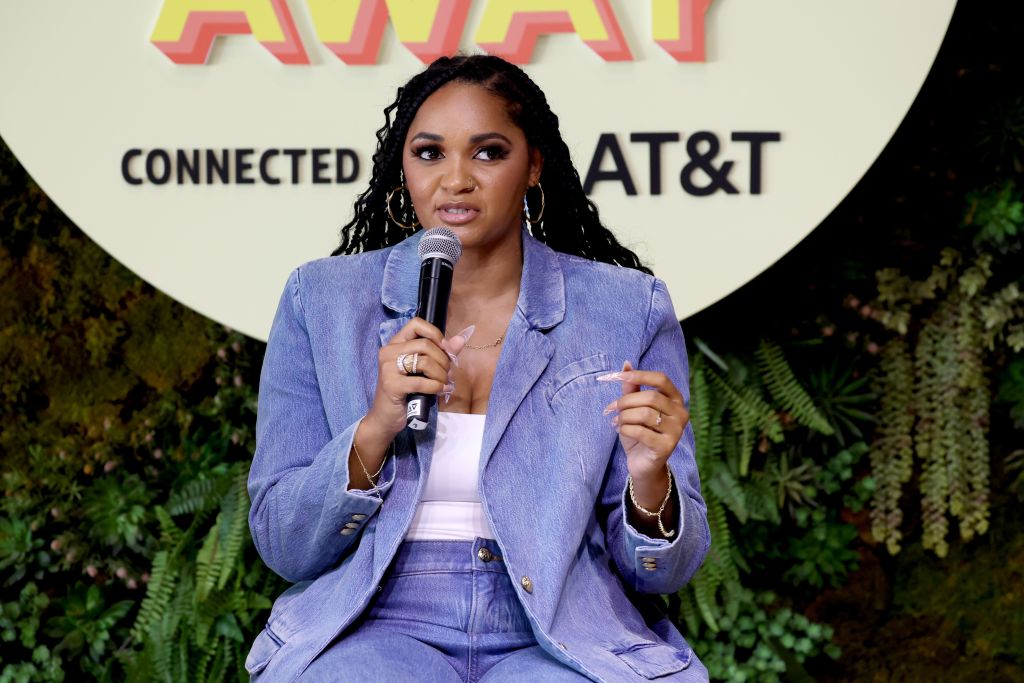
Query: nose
458	179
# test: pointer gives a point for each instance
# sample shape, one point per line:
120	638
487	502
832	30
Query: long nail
611	408
611	377
455	359
467	333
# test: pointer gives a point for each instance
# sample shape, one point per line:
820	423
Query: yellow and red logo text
353	29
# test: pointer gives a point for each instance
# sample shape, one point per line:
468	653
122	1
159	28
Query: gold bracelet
661	527
369	478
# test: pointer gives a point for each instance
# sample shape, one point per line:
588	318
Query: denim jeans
446	611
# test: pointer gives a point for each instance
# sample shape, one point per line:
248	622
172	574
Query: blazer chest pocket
575	375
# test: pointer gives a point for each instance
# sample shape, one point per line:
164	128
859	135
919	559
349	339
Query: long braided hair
571	223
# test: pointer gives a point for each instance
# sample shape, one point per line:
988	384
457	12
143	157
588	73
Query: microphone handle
435	288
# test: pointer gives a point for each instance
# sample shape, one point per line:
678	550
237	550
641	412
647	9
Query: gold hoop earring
387	204
526	208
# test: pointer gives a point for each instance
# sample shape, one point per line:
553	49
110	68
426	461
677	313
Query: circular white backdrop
82	83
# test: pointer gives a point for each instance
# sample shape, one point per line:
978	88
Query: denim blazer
552	470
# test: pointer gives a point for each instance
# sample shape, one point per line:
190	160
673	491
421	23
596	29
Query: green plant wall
126	434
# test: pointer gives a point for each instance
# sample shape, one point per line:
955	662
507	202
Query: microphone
440	249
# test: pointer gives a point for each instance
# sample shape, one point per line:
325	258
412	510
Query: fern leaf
202	664
704	594
750	412
207	561
158	595
170	534
236	528
748	435
197	495
700	404
787	390
729	491
688	610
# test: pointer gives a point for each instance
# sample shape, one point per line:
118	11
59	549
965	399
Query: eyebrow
434	137
488	136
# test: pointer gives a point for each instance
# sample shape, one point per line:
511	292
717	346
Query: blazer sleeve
658	565
303	518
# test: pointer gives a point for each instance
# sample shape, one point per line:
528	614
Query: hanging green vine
892	454
934	376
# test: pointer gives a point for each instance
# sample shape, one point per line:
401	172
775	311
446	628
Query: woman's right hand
433	372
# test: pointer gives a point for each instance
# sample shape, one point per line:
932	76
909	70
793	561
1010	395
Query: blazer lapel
526	353
526	349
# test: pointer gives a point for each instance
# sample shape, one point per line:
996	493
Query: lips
457	212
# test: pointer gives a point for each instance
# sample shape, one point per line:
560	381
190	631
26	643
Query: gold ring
658	421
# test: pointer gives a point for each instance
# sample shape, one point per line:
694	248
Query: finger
657	444
417	327
655	379
453	345
432	361
629	383
434	352
645	416
628	387
425	367
432	368
646	397
414	384
672	414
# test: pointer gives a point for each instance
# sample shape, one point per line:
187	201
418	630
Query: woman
525	534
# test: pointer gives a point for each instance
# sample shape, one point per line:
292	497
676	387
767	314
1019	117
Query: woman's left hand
649	422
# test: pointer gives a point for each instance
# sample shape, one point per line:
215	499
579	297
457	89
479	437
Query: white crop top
450	505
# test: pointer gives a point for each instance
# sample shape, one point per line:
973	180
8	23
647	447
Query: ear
536	166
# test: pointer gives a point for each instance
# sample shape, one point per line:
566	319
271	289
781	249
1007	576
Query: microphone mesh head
440	242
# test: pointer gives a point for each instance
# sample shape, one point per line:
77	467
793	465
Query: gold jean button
527	584
485	554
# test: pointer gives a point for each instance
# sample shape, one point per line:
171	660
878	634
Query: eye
427	152
492	153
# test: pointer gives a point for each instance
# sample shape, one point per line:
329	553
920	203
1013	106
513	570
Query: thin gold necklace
486	346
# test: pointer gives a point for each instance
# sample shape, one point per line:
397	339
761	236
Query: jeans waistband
482	554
